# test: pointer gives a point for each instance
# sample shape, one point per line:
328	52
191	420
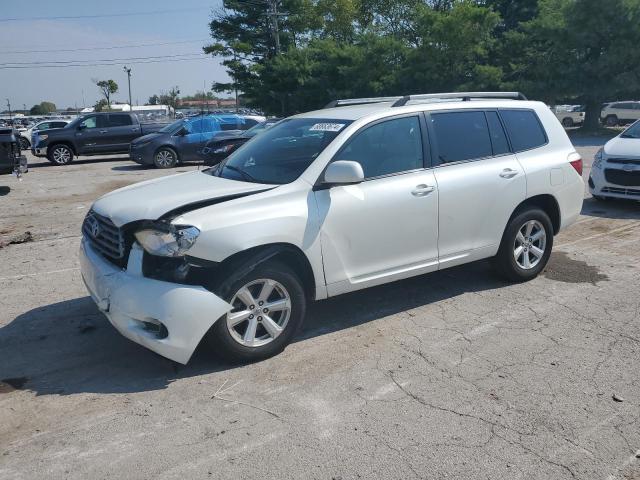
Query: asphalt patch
563	268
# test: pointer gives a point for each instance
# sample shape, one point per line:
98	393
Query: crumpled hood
152	199
623	147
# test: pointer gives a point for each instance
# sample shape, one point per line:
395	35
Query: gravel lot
451	375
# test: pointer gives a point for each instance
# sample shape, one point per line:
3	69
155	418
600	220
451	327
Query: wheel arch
547	203
239	264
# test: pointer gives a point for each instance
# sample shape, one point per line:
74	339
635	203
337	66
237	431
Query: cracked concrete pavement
453	375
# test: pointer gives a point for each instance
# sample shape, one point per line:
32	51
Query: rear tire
60	154
24	143
165	157
567	122
611	121
245	334
526	246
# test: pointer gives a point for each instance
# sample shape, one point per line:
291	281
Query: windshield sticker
327	127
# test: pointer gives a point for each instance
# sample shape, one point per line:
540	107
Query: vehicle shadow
70	347
612	208
85	161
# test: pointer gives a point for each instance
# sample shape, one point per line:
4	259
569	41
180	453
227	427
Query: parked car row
157	143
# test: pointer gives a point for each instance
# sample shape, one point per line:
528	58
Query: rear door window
499	141
524	129
461	136
119	120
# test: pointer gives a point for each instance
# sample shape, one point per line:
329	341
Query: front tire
60	154
526	246
165	157
567	122
269	306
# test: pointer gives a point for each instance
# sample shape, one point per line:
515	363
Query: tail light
576	162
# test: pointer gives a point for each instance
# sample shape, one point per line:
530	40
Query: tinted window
43	126
498	137
94	122
58	124
461	136
387	147
119	120
524	129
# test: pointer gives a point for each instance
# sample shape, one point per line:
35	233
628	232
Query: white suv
620	113
364	193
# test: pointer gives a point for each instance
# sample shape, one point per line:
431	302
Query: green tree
48	107
170	98
154	100
107	88
580	49
102	106
37	110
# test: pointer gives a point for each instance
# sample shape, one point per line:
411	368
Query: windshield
253	131
172	127
632	132
281	153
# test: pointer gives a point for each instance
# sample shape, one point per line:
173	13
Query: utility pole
24	108
273	13
9	106
128	70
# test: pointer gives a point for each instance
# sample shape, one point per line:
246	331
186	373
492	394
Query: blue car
183	140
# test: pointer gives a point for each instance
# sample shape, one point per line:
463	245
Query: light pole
128	71
9	106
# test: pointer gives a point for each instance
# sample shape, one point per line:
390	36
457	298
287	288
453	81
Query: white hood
623	147
151	199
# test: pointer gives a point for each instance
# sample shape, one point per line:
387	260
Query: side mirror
81	127
343	172
182	132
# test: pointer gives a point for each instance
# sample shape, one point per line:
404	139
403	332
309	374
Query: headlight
224	149
43	137
597	159
172	242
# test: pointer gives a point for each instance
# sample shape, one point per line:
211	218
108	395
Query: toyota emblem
94	227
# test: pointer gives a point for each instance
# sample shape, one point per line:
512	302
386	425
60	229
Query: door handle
103	131
422	190
508	173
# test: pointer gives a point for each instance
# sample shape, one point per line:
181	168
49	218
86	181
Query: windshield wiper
627	135
244	174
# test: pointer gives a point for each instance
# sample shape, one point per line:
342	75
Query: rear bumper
133	303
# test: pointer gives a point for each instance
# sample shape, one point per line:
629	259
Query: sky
139	26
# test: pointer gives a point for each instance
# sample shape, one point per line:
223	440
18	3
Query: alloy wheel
530	244
164	158
61	155
261	311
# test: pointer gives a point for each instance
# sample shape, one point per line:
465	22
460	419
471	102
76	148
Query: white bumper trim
128	299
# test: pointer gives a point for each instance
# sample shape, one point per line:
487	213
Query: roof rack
360	101
464	96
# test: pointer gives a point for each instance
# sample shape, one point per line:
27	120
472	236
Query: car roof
356	112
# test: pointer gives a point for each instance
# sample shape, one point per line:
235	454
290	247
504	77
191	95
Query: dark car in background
219	148
92	134
11	158
183	140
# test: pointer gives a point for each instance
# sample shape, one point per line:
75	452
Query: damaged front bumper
168	318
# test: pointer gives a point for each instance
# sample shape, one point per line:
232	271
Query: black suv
11	158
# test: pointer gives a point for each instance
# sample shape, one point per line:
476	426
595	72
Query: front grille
620	177
632	192
624	161
105	237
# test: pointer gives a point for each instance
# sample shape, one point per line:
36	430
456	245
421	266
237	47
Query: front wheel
567	122
269	306
611	121
165	158
526	246
60	154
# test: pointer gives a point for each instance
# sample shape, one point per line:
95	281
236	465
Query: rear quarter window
524	129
